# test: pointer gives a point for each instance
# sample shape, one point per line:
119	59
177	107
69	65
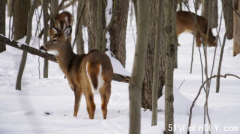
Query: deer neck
64	58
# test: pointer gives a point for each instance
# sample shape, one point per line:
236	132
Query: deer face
60	40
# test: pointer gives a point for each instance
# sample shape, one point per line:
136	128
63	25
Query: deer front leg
198	40
78	95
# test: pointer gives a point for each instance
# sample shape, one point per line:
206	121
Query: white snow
46	105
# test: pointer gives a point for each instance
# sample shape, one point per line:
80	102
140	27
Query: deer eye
54	41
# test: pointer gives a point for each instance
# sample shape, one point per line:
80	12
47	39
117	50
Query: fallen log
34	51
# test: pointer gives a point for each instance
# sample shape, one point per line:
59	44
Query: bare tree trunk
9	7
79	40
148	77
227	10
135	9
45	21
24	55
91	13
135	85
214	13
2	22
20	15
54	5
170	45
236	31
99	25
118	31
156	66
210	12
197	4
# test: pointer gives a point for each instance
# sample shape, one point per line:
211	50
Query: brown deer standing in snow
86	73
185	23
62	20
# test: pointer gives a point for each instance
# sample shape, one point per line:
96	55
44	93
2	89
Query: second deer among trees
87	73
185	23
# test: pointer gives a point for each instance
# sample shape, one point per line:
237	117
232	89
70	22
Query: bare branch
34	51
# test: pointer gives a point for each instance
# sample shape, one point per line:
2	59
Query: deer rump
92	70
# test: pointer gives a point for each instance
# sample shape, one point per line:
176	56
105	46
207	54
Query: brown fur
74	67
185	22
61	22
94	72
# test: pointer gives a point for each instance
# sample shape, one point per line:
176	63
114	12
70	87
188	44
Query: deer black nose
42	48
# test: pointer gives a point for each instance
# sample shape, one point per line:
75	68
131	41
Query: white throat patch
55	52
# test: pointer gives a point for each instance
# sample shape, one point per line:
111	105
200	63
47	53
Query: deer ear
55	29
67	31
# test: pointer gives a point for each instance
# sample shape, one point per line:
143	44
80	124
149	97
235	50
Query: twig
181	84
69	4
79	20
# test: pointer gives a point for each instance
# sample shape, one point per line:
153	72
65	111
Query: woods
143	39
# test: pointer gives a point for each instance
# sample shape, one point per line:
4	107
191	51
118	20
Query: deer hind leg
90	105
78	95
105	92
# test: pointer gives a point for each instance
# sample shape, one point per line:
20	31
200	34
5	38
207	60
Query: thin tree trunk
2	22
118	31
148	77
91	15
135	9
24	55
156	66
225	5
9	7
236	31
214	14
20	15
54	5
79	40
135	85
45	21
170	56
99	25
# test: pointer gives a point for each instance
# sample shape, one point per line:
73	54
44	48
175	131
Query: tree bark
214	14
236	31
170	45
227	11
45	21
2	22
148	77
118	31
91	13
79	35
20	15
34	51
135	85
210	12
156	66
24	55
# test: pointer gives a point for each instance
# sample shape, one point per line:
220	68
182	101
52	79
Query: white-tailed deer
87	73
62	20
185	23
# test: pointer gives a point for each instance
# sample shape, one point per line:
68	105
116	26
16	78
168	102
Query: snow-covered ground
46	105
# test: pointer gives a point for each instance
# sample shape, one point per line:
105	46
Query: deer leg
78	95
105	92
90	105
198	40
